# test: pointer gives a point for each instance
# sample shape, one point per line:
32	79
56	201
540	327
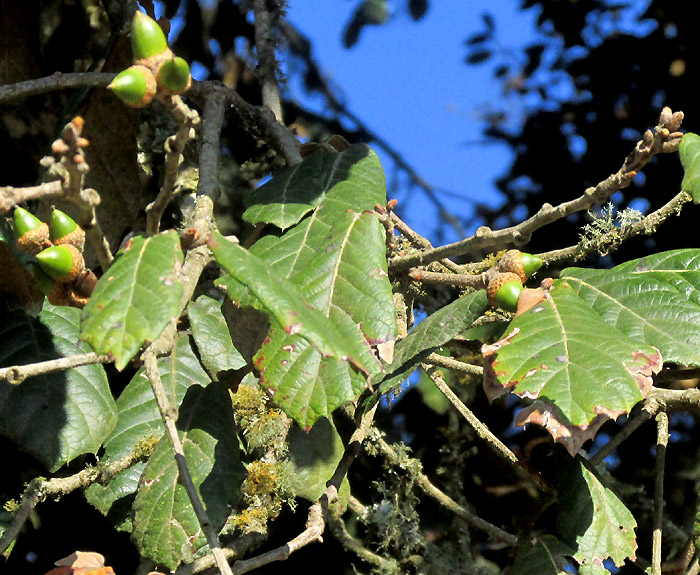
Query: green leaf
294	192
285	303
166	529
655	299
690	159
305	384
542	556
314	456
55	416
336	256
430	334
582	369
136	298
592	520
139	419
211	334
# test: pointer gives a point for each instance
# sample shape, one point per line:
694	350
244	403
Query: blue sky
409	83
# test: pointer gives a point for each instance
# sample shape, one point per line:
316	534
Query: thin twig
233	550
460	281
16	374
445	500
453	364
266	17
648	411
481	430
340	532
187	120
314	528
419	241
661	444
70	168
40	489
663	139
169	415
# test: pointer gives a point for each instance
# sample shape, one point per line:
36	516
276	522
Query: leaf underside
592	519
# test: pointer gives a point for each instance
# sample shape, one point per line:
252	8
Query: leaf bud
135	86
504	290
147	37
32	234
64	230
63	263
173	76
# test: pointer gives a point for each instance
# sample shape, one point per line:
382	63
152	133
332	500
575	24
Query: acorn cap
522	264
64	230
64	294
135	86
504	290
147	38
173	76
63	263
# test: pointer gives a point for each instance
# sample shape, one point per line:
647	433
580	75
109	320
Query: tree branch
481	430
57	81
258	122
10	197
663	139
40	489
266	17
659	468
187	120
16	374
613	239
445	500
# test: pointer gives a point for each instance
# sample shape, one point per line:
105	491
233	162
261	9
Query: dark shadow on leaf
32	413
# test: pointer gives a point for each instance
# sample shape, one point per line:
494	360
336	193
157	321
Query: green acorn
135	86
63	263
520	263
45	282
530	263
147	38
173	76
504	290
64	230
32	234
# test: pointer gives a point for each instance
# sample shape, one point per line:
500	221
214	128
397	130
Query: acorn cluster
55	256
156	71
506	285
